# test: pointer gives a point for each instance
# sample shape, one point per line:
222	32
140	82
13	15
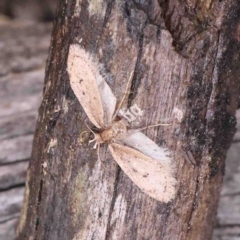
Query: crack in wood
197	180
105	21
212	90
193	203
136	82
108	228
38	206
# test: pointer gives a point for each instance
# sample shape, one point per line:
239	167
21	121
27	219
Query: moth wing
153	177
90	88
142	143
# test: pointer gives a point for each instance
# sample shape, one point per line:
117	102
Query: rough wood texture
24	50
184	55
228	217
11	175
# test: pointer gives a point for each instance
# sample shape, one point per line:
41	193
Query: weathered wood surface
182	56
21	123
24	49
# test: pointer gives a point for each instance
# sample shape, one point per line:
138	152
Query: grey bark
185	56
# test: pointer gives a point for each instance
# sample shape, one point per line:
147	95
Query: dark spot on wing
146	175
83	93
134	170
80	81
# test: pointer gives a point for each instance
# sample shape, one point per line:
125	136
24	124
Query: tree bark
185	56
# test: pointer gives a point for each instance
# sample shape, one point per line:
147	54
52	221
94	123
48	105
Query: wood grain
183	57
24	49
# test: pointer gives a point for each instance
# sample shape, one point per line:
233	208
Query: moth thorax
117	128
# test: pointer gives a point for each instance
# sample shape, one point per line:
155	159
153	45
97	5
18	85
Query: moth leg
99	158
124	96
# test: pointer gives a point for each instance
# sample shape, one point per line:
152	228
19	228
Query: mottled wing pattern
92	91
153	177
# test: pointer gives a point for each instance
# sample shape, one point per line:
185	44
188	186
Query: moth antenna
124	96
150	126
99	158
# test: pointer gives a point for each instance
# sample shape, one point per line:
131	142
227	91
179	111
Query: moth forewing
90	88
152	176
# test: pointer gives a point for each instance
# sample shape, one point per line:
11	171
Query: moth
145	163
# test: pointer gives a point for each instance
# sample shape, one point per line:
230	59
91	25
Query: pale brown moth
145	163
